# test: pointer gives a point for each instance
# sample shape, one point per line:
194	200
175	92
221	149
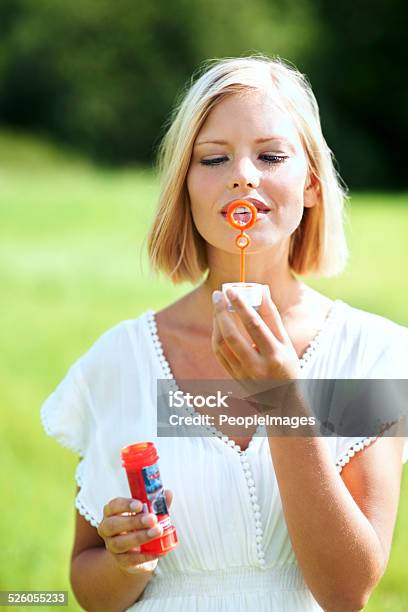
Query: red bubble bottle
141	464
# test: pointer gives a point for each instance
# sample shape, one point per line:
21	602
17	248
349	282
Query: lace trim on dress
361	444
304	360
354	448
46	414
78	503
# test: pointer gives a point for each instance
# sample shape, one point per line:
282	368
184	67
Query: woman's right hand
125	527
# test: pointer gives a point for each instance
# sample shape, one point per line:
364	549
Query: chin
261	240
254	249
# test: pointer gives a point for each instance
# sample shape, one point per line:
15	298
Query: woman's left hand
268	353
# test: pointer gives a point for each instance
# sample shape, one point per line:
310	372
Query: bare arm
340	526
109	573
100	584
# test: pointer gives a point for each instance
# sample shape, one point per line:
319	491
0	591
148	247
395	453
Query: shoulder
360	344
123	329
116	347
367	323
373	334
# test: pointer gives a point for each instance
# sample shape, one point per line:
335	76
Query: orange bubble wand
242	240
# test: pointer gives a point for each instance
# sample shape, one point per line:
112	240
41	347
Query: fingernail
135	505
146	519
154	531
232	295
216	297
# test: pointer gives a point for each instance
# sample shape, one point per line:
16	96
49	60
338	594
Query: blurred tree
359	75
104	75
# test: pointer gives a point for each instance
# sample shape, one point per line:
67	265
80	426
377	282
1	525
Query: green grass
72	264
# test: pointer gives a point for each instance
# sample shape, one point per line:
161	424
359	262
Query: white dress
234	552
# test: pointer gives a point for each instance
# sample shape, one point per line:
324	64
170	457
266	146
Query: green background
102	76
73	264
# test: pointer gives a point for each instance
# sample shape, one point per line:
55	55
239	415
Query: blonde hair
318	246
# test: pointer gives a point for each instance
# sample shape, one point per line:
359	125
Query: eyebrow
258	141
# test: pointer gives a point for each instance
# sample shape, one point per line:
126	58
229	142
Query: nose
244	176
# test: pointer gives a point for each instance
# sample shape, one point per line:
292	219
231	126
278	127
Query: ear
311	194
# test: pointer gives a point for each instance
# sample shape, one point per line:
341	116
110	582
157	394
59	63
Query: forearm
337	548
99	584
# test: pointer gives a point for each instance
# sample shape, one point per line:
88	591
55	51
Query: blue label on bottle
154	489
151	477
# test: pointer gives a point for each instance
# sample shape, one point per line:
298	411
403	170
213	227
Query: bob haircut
318	246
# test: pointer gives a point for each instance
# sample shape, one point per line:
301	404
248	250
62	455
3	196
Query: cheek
287	193
295	176
197	192
287	187
204	196
197	187
190	182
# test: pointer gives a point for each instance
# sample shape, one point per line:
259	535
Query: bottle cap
162	543
251	293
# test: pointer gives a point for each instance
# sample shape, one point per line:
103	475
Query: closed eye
267	159
273	159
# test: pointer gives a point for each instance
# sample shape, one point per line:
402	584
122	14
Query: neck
266	268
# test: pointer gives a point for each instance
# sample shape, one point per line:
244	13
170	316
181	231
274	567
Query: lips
261	207
242	214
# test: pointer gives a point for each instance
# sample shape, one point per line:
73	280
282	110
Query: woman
264	522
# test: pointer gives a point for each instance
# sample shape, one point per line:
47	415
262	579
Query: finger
222	351
125	542
117	524
226	365
122	504
169	497
133	559
114	524
229	331
257	329
226	357
271	316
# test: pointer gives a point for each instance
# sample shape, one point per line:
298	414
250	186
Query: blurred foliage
72	265
358	73
103	76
